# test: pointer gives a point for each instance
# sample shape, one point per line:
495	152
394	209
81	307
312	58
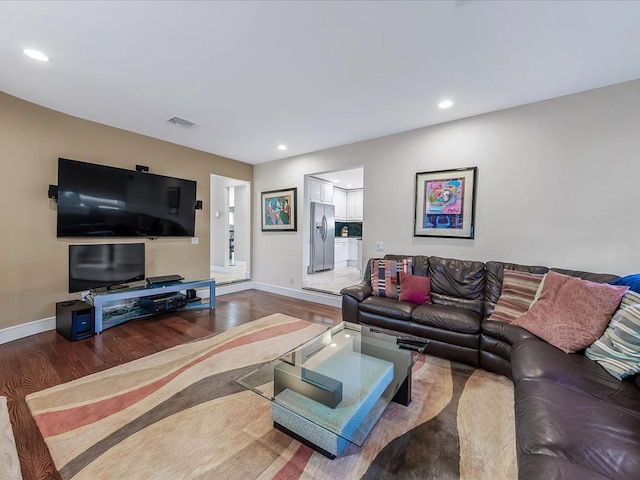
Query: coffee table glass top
341	380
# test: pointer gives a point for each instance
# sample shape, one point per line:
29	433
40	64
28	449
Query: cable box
164	279
162	303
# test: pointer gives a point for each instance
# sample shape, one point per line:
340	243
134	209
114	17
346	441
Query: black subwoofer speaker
75	319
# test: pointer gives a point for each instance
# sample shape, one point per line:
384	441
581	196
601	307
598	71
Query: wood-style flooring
47	359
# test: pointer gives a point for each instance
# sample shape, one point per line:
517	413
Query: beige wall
33	262
557	186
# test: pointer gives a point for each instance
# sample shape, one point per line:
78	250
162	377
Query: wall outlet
291	280
379	246
195	240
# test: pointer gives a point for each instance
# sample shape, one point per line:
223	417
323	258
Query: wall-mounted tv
105	265
100	201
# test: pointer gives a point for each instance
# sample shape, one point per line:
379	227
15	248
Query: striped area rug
179	414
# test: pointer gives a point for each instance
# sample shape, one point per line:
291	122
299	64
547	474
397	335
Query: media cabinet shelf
106	299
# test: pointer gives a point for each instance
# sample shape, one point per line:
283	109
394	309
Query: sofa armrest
359	291
351	298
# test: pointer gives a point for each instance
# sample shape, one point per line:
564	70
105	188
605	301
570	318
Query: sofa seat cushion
537	360
498	337
447	318
505	331
547	467
554	420
388	307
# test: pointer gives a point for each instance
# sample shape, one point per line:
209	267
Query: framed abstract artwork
445	203
280	210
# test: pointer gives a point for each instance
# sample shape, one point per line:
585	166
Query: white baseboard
20	331
233	288
315	297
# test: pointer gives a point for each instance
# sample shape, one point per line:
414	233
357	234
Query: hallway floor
334	280
236	274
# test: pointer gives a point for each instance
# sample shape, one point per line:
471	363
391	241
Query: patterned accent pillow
385	276
518	291
618	350
414	288
571	313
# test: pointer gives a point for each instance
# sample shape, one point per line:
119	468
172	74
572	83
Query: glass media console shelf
117	306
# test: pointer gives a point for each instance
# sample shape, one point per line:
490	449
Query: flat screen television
100	201
105	265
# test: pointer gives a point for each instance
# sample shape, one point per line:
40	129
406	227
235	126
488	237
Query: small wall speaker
53	192
198	204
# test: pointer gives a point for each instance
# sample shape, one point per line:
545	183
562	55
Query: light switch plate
379	246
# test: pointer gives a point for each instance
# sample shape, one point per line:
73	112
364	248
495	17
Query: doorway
230	249
344	190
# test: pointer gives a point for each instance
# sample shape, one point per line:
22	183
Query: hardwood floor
47	359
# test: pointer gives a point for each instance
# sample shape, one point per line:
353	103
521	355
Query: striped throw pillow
385	276
630	298
618	350
518	291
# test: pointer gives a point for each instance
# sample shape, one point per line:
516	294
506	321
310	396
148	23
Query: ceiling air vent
181	122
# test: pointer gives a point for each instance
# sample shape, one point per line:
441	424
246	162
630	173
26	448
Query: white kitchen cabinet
319	191
340	202
355	205
341	254
327	193
355	253
353	250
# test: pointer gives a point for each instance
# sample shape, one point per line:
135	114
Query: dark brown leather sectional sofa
573	419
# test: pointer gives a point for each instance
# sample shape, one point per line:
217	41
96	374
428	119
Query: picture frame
280	210
445	203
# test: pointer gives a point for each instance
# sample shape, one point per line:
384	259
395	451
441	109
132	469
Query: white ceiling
345	179
311	75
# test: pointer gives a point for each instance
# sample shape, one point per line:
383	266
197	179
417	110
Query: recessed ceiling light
335	181
36	55
445	104
349	186
282	147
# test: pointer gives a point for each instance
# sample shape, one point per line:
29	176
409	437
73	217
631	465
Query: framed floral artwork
445	203
279	210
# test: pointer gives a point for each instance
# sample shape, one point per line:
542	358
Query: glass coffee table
332	390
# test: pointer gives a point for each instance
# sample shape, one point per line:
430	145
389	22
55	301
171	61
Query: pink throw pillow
571	313
414	288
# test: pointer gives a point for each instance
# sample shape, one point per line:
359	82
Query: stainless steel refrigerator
323	226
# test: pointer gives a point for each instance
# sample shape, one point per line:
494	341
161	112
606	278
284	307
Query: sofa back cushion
518	292
385	276
571	313
458	283
589	276
494	274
